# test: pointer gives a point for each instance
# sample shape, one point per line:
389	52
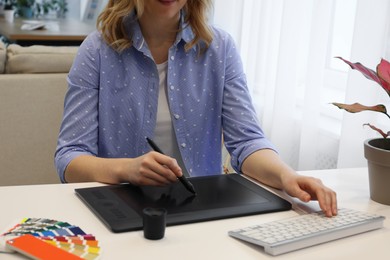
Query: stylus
182	178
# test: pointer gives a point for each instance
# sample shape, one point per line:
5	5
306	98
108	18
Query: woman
156	69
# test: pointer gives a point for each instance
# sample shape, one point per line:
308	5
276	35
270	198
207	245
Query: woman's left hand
267	167
308	188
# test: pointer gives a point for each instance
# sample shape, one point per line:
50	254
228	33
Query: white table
206	240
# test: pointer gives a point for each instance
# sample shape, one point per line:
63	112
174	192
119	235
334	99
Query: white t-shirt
164	134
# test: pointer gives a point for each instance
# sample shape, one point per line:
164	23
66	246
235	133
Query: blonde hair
110	22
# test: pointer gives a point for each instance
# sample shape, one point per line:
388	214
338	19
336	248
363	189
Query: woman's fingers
156	169
308	188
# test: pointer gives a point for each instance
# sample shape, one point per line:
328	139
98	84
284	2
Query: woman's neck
159	32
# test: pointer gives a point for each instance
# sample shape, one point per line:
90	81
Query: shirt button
172	57
176	116
183	145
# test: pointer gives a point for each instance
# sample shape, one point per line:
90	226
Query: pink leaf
383	71
378	130
371	74
356	107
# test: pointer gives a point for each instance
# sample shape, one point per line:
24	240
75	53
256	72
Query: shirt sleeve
241	130
79	129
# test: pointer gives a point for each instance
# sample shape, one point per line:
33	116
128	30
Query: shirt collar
132	27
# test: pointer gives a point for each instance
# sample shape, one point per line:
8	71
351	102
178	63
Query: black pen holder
154	222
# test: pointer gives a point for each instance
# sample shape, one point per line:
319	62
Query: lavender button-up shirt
111	103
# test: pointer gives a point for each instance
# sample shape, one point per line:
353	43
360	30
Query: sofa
32	89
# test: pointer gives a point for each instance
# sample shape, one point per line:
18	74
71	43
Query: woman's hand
149	169
309	188
267	167
154	169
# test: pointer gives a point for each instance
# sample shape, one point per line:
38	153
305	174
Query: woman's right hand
154	169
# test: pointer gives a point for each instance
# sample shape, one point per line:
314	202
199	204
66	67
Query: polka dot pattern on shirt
111	103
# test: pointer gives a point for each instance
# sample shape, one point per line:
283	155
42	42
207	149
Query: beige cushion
39	59
2	57
31	107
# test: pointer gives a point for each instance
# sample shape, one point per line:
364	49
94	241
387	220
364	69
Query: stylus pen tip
188	185
191	188
193	191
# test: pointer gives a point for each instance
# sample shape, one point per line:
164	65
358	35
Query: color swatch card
35	248
50	234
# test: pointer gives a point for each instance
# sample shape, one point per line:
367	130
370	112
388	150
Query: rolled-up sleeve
79	129
242	133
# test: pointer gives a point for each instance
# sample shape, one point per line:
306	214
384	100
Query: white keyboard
306	230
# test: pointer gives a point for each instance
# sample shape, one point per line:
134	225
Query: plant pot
26	12
9	15
377	153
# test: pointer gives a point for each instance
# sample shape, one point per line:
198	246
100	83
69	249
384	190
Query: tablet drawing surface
120	207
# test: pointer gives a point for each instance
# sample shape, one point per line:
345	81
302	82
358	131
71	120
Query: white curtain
288	49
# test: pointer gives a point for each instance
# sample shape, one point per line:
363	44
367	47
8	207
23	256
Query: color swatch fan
40	238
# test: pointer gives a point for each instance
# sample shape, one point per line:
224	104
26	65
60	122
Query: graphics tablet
120	207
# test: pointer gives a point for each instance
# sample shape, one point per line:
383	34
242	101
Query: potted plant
58	7
9	4
9	10
377	150
25	8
